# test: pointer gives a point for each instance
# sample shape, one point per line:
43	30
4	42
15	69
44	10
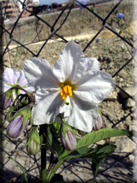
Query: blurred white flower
10	78
84	2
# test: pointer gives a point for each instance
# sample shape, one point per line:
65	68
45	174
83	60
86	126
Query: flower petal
47	106
91	64
80	114
38	71
95	86
5	87
22	80
69	65
10	76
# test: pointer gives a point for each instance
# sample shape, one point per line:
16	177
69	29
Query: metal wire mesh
15	162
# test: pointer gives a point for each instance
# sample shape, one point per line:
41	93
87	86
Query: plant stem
44	179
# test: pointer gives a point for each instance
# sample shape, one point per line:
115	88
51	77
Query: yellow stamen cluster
66	90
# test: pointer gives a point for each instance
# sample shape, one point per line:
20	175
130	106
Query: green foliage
102	134
55	127
98	157
53	143
97	154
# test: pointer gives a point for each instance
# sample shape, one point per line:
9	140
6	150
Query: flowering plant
83	2
64	102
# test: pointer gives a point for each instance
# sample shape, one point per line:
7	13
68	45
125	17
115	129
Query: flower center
65	91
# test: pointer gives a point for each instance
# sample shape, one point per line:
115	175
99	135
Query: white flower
70	88
11	77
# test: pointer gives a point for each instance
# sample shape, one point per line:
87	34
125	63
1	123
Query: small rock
109	59
131	157
79	169
104	58
121	80
100	58
123	74
113	139
127	121
109	125
125	145
131	127
77	40
67	172
132	115
110	65
130	90
120	126
101	142
112	96
129	103
113	118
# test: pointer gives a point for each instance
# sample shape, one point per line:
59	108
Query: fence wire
116	57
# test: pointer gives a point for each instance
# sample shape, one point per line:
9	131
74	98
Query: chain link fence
111	41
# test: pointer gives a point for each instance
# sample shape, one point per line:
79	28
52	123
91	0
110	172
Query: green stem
44	178
29	94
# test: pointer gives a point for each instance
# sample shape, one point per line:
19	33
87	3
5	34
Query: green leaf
102	134
55	127
102	151
65	153
97	154
49	140
53	143
96	136
57	147
83	149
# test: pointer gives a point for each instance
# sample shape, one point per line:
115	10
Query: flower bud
133	51
15	128
120	15
98	124
98	39
70	141
5	102
33	146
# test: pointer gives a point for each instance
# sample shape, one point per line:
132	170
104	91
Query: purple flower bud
5	103
133	51
120	15
70	141
15	128
98	124
98	39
